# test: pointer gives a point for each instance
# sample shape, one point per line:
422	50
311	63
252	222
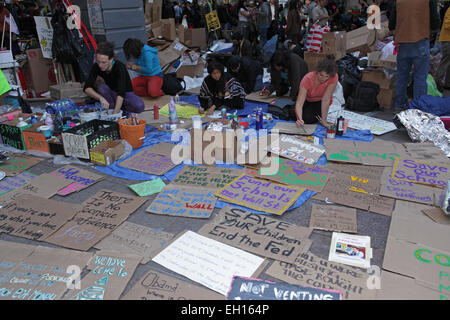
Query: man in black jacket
247	71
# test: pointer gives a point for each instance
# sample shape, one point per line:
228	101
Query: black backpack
364	97
172	85
281	108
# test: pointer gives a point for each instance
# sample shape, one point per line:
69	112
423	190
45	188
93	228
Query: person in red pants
150	81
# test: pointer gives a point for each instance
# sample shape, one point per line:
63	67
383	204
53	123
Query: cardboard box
195	38
378	76
170	54
38	72
193	70
106	152
181	33
386	98
375	60
68	90
13	136
169	31
156	29
312	58
335	43
358	40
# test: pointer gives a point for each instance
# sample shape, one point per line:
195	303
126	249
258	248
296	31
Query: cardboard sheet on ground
361	122
136	239
296	149
109	275
79	179
98	217
148	162
333	218
186	202
421	172
149	102
18	164
148	188
425	152
260	194
208	262
257	289
255	96
35	218
296	174
312	271
163	149
45	185
212	178
159	286
376	153
350	249
437	215
258	234
10	183
291	128
45	274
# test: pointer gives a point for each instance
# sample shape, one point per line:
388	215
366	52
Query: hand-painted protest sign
148	162
158	286
258	234
208	262
148	188
10	183
425	151
110	273
212	21
80	179
350	249
18	164
136	239
291	128
45	185
163	149
369	153
260	195
43	275
212	178
255	289
297	150
361	122
422	172
298	174
99	216
183	202
45	34
35	218
333	218
312	271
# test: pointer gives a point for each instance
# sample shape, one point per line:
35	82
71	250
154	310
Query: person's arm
122	87
119	103
299	106
435	19
89	87
326	102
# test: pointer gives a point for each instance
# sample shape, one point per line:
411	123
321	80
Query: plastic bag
432	89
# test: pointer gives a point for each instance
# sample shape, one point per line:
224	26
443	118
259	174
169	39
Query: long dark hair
133	48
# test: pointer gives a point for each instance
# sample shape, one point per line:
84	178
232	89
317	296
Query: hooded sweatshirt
149	62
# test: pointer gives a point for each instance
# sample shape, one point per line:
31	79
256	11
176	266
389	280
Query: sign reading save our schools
259	194
422	172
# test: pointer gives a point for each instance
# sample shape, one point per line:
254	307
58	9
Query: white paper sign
208	262
75	145
361	122
45	33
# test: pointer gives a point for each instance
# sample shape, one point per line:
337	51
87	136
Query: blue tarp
434	105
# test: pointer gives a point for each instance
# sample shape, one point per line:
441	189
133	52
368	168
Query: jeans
409	54
262	32
131	103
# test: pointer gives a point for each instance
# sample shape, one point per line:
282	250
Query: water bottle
177	98
173	118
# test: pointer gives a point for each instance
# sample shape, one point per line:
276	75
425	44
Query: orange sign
35	141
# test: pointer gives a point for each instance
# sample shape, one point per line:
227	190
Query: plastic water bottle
173	118
177	98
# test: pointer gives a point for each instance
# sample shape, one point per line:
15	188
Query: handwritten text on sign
81	179
421	172
259	194
186	202
148	162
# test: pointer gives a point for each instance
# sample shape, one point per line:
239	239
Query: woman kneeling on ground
151	78
220	90
316	92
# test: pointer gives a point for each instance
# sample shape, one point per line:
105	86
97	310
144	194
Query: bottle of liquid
155	112
340	126
173	118
258	120
261	118
177	98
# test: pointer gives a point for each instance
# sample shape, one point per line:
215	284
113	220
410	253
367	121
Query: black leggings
310	111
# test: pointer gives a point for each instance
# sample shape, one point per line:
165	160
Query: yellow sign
212	20
98	157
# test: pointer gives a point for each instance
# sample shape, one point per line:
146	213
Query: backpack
172	85
281	108
364	97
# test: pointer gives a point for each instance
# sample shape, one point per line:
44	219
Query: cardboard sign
18	164
45	185
148	162
312	271
159	286
136	239
436	174
43	275
163	149
437	215
258	234
297	174
212	21
99	216
297	150
208	262
110	273
260	195
212	178
368	153
35	141
10	183
291	128
45	34
255	289
35	218
80	179
75	145
333	218
425	151
148	188
184	202
351	250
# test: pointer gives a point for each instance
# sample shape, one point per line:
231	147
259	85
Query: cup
196	122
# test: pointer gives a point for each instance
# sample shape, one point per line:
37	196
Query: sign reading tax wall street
422	172
258	234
